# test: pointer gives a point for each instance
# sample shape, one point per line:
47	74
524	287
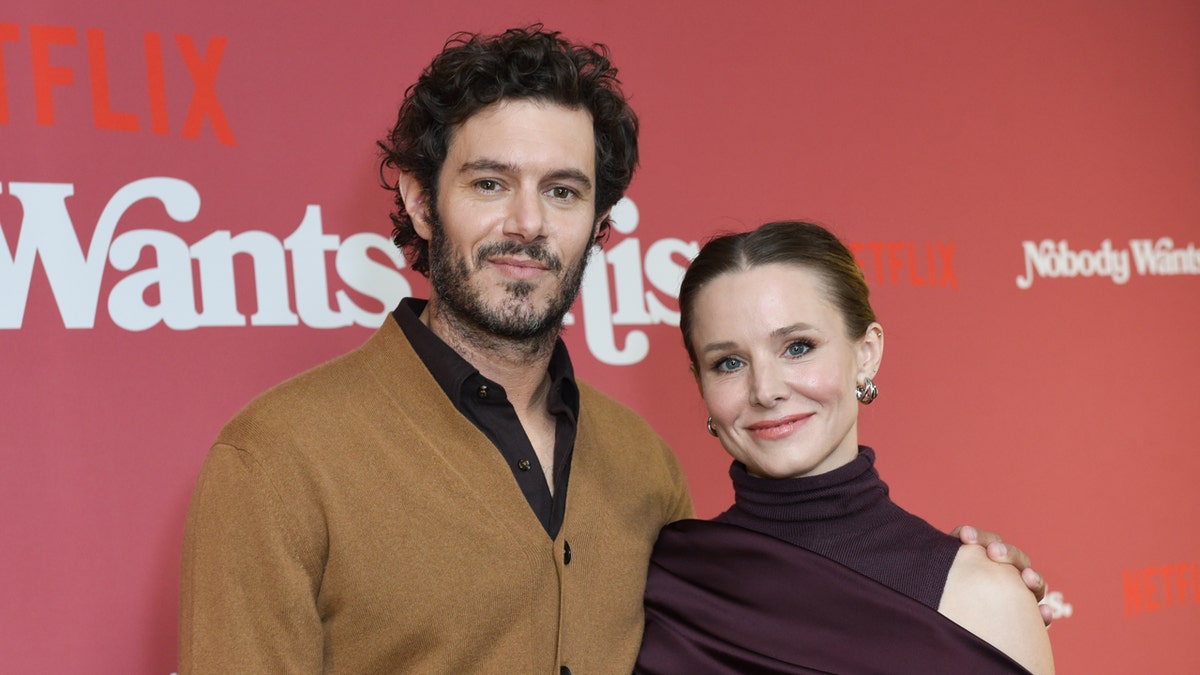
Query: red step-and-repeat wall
190	212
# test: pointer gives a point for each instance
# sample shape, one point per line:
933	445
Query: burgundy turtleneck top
847	516
822	574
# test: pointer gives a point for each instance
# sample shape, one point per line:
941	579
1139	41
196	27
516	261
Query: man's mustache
531	250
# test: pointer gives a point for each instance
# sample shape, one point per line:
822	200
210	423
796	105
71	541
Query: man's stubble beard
515	319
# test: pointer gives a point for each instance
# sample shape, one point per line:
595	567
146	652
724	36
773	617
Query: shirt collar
455	375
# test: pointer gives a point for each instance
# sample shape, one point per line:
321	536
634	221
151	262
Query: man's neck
518	364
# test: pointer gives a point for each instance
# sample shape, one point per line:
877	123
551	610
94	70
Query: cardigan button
566	554
483	391
524	465
564	671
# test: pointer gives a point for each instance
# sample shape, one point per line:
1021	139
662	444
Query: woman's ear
870	351
416	203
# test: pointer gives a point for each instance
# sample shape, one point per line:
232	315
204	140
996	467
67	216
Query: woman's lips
779	428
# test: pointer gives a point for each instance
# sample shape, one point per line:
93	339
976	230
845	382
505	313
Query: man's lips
521	268
778	428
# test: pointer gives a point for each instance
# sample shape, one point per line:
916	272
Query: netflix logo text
143	95
927	264
1161	588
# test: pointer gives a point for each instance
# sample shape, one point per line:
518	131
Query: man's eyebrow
572	175
487	165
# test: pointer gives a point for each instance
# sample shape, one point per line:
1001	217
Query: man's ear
416	203
600	222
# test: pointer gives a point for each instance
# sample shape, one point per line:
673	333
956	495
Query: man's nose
526	218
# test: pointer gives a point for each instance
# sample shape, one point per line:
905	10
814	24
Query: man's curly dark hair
474	71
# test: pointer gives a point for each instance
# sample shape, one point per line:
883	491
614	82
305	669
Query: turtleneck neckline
847	516
847	490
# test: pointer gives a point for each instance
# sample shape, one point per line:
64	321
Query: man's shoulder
317	401
626	459
605	422
594	401
599	407
317	385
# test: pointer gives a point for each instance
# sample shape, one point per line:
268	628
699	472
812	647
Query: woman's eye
798	348
728	364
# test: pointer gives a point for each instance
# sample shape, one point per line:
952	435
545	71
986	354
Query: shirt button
566	552
483	391
524	465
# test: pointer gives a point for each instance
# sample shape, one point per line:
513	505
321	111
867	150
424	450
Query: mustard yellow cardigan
350	520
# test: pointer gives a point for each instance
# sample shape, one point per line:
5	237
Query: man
447	497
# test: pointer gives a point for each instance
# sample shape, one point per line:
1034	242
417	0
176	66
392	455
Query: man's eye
562	192
487	185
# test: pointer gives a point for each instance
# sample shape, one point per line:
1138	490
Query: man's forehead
516	134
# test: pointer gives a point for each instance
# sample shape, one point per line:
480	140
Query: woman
813	569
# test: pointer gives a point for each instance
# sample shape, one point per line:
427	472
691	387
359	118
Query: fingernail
1002	549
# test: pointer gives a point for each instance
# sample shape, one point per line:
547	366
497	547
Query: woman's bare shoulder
990	600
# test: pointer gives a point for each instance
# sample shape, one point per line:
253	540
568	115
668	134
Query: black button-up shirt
486	405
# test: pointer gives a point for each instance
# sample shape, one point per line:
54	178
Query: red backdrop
190	213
